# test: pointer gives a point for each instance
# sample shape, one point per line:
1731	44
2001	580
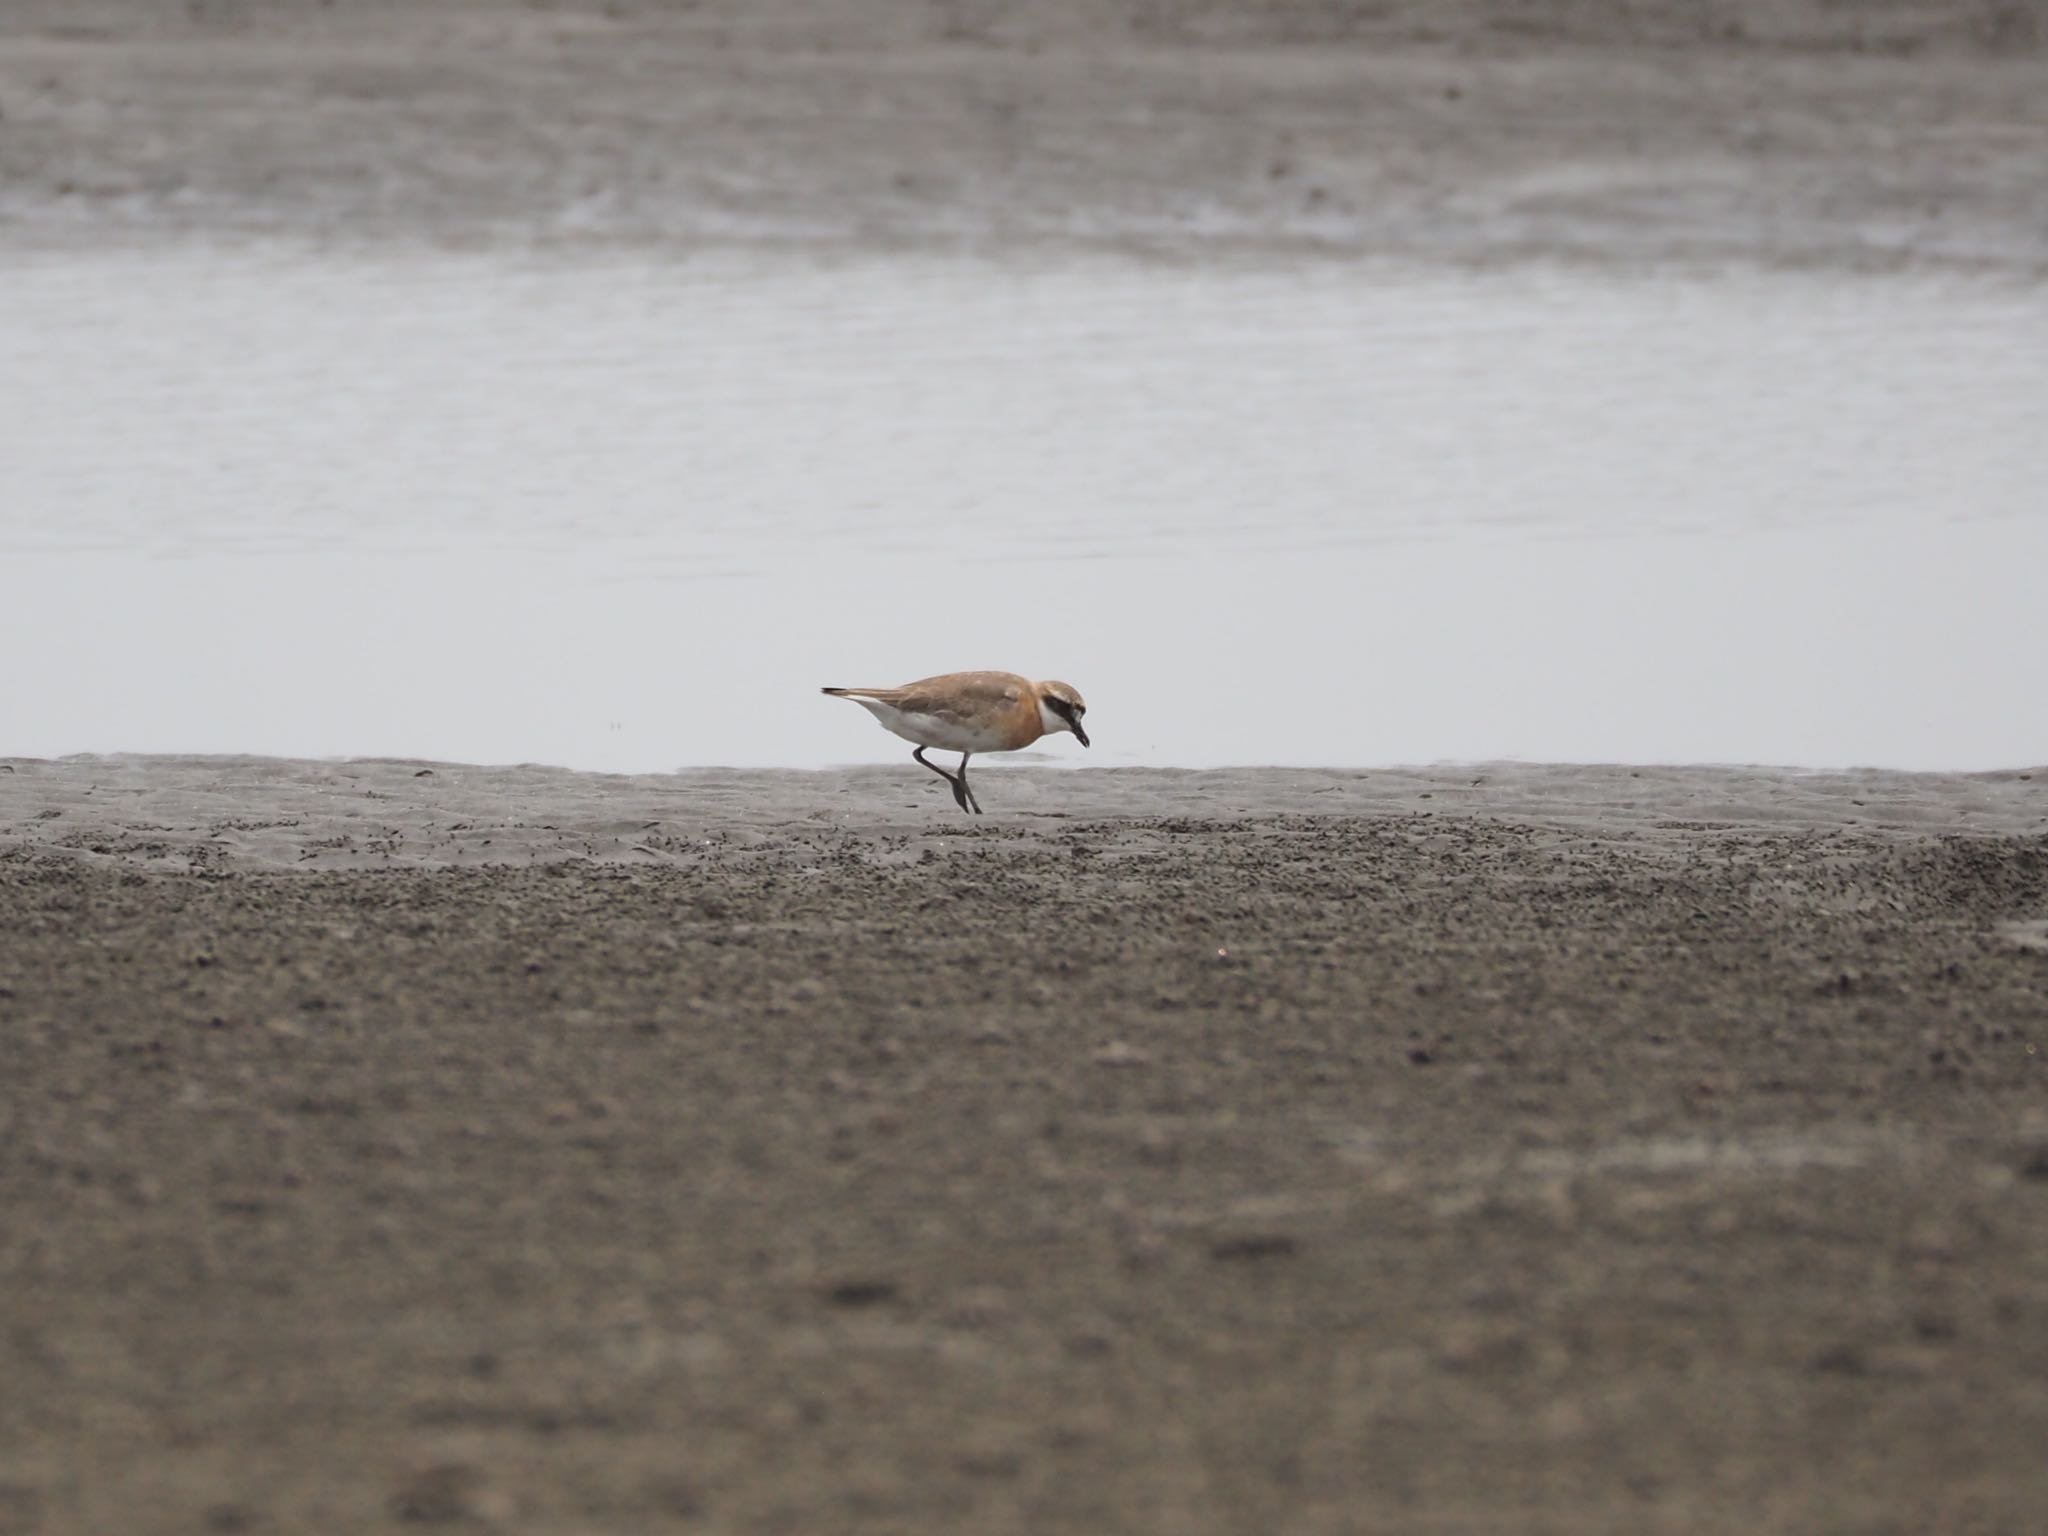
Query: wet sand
1773	132
1498	1149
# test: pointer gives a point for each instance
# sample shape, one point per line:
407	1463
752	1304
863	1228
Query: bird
970	712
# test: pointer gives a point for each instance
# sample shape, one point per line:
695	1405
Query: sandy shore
169	814
1777	132
1506	1149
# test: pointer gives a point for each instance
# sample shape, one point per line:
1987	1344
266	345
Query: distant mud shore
1779	134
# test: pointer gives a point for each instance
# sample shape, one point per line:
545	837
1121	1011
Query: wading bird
970	712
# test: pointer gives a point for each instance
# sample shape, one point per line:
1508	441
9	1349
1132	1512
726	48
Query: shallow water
630	515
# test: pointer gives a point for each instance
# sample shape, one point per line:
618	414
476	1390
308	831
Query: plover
970	712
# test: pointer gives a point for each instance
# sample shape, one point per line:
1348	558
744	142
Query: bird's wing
958	694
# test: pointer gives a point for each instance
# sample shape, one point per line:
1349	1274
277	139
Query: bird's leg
959	784
918	753
967	794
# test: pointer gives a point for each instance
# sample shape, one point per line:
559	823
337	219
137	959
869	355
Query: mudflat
1770	132
1494	1149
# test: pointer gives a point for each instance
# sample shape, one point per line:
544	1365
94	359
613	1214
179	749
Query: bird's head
1060	708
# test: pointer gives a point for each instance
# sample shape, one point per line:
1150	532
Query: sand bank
1569	1150
1768	131
171	813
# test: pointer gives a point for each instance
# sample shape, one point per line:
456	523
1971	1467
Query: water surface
630	514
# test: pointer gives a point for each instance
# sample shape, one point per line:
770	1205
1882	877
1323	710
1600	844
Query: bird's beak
1080	734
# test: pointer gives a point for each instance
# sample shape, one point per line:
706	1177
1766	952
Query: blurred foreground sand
1505	1149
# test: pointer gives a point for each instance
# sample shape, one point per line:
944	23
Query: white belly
931	731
